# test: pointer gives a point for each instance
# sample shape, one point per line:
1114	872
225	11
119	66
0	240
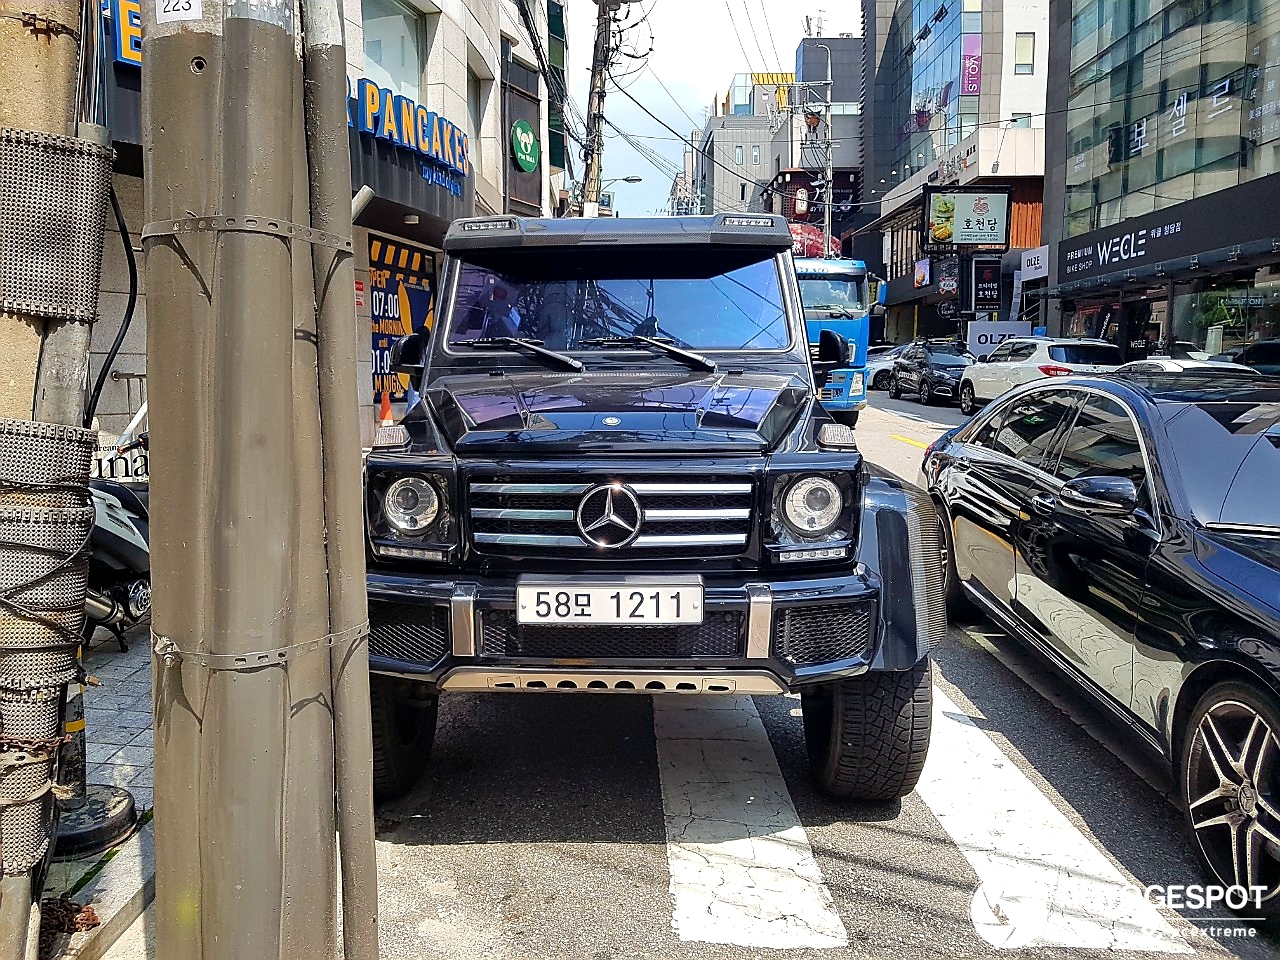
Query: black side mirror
406	354
1100	496
832	348
878	310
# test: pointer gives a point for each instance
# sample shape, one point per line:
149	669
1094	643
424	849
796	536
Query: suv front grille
653	516
719	635
825	634
414	632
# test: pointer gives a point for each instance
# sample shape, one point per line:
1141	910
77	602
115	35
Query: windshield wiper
695	360
533	346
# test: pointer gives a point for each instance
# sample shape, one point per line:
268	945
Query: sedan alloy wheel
1231	789
967	402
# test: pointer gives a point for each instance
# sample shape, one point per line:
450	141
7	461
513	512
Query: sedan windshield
593	301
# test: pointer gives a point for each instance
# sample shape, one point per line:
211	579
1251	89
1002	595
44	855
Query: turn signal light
1053	370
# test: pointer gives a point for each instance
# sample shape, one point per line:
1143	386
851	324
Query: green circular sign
524	146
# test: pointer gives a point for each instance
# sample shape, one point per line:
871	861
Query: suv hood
607	411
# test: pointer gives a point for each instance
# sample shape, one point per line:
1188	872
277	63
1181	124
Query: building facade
956	95
472	78
1167	164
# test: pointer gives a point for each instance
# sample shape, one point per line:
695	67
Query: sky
695	55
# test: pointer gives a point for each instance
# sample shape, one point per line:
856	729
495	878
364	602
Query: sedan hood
608	411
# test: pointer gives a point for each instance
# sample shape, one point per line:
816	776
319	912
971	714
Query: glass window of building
1024	53
755	156
1020	120
737	154
477	94
742	189
393	47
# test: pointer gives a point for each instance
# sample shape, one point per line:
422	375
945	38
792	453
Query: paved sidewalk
120	883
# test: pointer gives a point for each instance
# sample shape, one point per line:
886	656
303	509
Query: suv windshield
578	300
843	292
1101	353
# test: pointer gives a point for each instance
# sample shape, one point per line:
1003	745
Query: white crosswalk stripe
1043	882
742	870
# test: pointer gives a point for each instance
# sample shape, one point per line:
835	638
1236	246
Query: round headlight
812	506
411	505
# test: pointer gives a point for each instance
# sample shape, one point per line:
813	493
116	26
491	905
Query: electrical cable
746	57
755	35
92	406
772	42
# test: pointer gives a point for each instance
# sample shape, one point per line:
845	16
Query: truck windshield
580	299
826	292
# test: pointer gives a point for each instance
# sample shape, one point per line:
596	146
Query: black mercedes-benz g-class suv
619	479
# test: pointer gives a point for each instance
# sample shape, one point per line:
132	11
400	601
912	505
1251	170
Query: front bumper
945	388
757	636
844	390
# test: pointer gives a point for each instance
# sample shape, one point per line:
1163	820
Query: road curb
122	887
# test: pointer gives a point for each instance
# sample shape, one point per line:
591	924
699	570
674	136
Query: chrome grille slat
675	489
522	515
489	513
742	513
530	488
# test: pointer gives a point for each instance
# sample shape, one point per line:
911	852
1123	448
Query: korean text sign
965	217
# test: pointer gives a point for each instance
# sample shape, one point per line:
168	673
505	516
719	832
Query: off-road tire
847	417
968	402
880	381
868	736
404	727
895	387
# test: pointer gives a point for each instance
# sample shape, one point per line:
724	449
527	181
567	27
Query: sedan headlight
812	506
411	505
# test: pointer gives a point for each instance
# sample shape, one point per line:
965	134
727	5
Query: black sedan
931	369
1129	528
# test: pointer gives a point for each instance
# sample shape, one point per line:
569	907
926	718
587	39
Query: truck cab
619	480
835	296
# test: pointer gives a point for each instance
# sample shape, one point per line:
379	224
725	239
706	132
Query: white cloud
695	54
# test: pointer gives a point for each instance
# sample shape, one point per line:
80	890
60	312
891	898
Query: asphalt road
596	826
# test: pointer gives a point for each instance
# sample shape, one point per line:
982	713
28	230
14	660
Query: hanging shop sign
921	277
971	64
965	217
400	303
1035	263
949	276
525	150
984	285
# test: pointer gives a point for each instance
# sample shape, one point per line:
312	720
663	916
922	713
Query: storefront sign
985	335
525	150
949	276
971	64
1035	263
948	309
921	276
126	17
957	217
984	285
380	113
1238	215
400	281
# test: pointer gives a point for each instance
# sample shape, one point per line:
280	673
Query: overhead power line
755	34
773	43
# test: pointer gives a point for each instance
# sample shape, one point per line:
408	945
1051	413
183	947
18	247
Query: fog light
815	553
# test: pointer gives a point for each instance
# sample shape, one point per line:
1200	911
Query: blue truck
835	297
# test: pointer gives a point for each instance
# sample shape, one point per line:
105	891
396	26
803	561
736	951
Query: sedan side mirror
1100	496
406	354
832	348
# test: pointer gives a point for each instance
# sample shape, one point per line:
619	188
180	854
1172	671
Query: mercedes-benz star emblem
611	421
609	516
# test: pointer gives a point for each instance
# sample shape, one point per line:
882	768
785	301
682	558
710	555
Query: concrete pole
325	66
245	832
595	107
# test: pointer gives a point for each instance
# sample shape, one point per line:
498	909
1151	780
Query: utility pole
600	58
830	158
258	606
57	168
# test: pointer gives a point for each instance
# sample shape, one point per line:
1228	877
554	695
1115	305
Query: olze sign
388	116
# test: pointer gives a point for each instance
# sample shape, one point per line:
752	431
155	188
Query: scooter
119	594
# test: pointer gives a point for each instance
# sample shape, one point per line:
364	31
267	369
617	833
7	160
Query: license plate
855	386
639	602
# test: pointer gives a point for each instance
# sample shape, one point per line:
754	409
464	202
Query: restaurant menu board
956	217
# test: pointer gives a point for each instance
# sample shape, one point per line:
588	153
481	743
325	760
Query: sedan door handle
1044	504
